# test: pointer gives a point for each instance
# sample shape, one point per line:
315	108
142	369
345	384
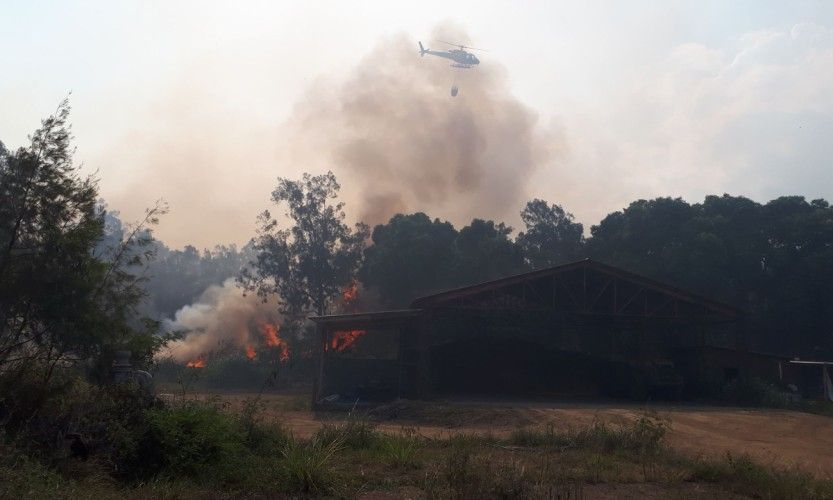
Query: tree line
772	260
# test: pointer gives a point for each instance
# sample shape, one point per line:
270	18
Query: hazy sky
202	103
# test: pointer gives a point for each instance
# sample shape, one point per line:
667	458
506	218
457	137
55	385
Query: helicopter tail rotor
421	49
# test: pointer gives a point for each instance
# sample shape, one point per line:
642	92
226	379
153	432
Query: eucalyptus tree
308	257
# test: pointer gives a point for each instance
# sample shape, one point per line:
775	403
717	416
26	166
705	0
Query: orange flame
344	339
351	292
250	352
197	363
272	339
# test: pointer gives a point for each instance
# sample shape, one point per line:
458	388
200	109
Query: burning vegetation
196	363
272	338
223	320
226	321
350	293
270	335
344	339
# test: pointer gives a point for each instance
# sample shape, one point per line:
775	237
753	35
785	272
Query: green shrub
23	477
469	439
195	441
31	407
461	473
642	437
529	436
755	392
113	419
262	438
552	480
743	476
824	407
354	433
399	449
110	419
305	467
464	474
510	481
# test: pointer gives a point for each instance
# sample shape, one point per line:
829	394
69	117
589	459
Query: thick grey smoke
388	127
400	142
222	320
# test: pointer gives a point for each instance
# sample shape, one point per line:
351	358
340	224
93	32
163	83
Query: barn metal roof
392	315
678	293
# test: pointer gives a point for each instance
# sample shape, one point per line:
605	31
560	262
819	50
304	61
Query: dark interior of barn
516	368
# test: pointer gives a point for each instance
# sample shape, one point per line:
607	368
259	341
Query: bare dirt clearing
772	437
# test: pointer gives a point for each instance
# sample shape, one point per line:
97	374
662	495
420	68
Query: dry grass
355	458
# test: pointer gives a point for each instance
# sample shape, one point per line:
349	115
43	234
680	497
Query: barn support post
423	334
401	359
318	381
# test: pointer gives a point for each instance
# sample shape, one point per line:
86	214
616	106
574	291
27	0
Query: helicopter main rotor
461	46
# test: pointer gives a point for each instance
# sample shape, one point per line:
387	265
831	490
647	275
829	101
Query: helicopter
461	58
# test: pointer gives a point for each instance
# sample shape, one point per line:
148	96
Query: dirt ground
772	437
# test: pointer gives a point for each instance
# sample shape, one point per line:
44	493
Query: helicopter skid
464	66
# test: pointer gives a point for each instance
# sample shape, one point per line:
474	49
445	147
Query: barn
584	329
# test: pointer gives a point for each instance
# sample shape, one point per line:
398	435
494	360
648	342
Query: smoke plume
401	142
223	320
388	127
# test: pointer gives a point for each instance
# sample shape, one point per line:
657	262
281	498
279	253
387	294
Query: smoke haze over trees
176	278
772	260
